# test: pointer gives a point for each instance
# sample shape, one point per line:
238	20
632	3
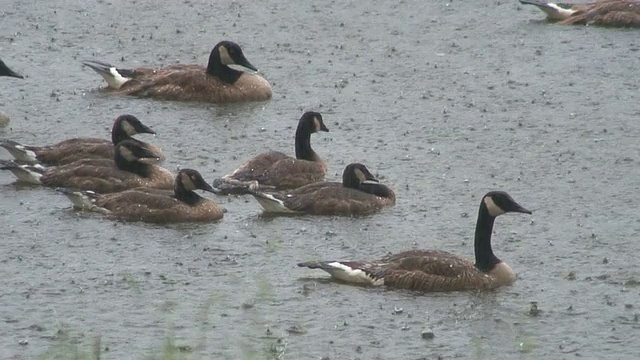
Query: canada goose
274	170
133	167
616	13
71	150
154	205
216	83
5	71
434	270
358	193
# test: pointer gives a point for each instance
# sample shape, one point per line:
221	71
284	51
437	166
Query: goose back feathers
218	82
433	270
274	170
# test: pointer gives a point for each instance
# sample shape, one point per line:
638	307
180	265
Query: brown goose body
155	205
214	83
70	150
433	270
274	170
132	167
614	13
359	193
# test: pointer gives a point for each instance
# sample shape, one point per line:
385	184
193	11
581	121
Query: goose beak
243	65
206	187
146	130
323	128
520	209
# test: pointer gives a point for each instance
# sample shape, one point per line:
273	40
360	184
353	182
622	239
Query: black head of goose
359	193
613	13
134	165
225	79
5	71
182	204
70	150
274	170
434	270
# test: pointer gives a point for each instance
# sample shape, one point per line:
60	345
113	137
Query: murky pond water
444	101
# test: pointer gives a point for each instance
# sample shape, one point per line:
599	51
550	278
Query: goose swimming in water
614	13
434	270
274	170
154	205
358	193
71	150
218	82
133	166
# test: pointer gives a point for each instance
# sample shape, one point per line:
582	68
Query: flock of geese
122	178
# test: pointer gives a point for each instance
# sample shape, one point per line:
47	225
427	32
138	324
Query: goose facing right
614	13
70	150
359	193
218	82
182	204
434	270
134	165
274	170
5	71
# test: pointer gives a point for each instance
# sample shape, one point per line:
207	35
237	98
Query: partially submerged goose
359	193
134	166
218	82
615	13
182	204
434	270
71	150
274	170
5	71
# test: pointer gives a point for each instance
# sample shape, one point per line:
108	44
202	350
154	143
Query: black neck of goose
303	145
221	71
132	166
186	196
485	259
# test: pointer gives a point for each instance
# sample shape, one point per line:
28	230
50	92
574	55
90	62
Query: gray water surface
443	101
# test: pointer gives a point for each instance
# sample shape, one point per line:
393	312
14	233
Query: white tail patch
348	274
82	201
20	154
555	12
25	175
270	204
494	210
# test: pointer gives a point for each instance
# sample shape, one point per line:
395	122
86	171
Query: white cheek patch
225	58
126	153
555	12
348	274
360	175
115	80
128	128
187	183
494	210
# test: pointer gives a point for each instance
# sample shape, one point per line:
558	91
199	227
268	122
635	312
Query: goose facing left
434	270
182	204
134	165
5	71
70	150
225	79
